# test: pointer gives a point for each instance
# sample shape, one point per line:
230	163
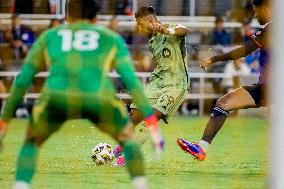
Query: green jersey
169	55
78	57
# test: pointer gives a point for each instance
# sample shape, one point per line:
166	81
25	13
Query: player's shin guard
26	162
133	158
216	121
217	112
142	133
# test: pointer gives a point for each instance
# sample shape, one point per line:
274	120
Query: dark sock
215	123
26	162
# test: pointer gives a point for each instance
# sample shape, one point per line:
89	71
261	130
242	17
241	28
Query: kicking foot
192	148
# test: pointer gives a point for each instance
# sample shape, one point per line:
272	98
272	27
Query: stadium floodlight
277	106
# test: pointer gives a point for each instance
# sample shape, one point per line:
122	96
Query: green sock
26	162
133	158
142	133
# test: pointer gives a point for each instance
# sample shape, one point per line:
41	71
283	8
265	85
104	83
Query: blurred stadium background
216	26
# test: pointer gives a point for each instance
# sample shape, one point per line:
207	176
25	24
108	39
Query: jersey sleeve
126	70
33	63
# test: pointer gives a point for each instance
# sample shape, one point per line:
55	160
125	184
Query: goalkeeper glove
157	139
2	133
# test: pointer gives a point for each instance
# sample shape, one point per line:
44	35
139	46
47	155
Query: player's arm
33	63
235	54
178	30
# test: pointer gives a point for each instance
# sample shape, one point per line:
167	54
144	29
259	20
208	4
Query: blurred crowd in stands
17	38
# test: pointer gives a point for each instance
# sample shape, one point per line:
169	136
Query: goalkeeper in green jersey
169	82
79	55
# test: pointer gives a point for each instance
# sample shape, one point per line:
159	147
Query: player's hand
158	141
160	28
205	63
3	126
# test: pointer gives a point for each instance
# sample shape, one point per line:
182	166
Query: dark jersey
261	39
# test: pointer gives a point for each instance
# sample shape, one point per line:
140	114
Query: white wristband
172	31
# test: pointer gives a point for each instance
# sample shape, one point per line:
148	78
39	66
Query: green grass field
236	159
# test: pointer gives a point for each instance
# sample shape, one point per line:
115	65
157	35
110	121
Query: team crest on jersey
167	53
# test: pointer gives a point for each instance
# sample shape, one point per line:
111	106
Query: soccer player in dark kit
253	96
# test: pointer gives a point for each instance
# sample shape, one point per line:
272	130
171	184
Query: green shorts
50	113
164	99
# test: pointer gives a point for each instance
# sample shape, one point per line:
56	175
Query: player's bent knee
222	103
136	117
126	134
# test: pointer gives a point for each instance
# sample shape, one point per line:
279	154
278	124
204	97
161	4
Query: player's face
144	26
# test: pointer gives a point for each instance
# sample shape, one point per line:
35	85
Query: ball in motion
102	154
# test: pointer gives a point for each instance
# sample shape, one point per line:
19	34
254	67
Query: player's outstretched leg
27	159
237	99
142	133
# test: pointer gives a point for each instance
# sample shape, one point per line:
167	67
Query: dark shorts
258	93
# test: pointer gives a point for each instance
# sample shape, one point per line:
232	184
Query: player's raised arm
178	30
235	54
33	63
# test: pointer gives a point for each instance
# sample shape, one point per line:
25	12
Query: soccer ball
102	154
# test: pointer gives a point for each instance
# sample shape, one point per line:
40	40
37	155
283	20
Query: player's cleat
192	148
117	151
120	161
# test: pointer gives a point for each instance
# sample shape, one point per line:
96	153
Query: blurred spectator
249	13
220	36
123	7
160	7
54	23
247	30
1	32
185	7
113	24
52	6
233	68
252	59
20	37
23	6
223	8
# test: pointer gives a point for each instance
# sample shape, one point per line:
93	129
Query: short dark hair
145	11
219	19
82	9
259	2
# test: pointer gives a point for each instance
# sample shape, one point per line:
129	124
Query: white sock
204	145
21	185
140	182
